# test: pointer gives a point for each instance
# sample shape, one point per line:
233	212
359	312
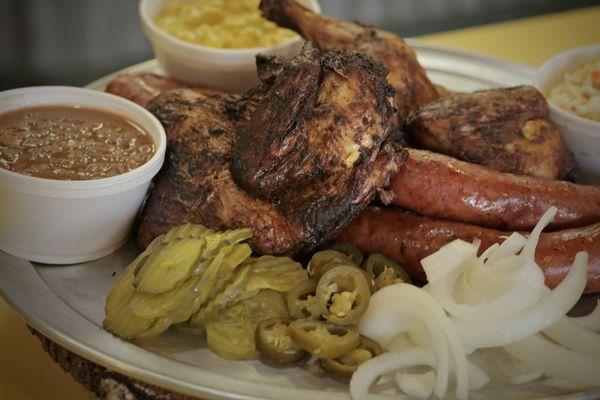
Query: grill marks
504	129
294	132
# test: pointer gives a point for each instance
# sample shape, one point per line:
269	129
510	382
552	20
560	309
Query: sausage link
407	238
141	88
440	186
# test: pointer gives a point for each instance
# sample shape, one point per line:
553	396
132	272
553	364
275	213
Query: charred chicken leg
413	88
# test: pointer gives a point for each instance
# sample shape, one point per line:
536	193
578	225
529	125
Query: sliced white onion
496	299
534	237
562	384
423	307
400	342
368	372
527	377
383	326
590	321
448	259
510	246
416	385
545	312
556	361
574	337
516	299
411	313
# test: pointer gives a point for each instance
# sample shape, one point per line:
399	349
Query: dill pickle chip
187	231
149	306
119	319
212	280
231	333
169	266
176	275
234	256
188	329
277	273
156	328
125	324
216	240
233	293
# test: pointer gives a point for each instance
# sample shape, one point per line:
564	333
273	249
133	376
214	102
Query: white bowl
230	69
582	135
64	222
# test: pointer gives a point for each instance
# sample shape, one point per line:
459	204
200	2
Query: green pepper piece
275	344
349	251
343	293
301	300
323	261
343	367
384	271
322	339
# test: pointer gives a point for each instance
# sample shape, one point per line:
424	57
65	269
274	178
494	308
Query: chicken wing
504	129
413	88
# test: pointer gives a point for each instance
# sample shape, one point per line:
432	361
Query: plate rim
20	275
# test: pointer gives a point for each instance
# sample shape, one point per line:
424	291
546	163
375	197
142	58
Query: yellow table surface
27	373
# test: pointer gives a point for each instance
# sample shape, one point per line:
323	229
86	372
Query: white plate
66	303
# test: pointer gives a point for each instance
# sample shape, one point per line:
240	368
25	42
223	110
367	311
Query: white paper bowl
64	222
230	69
582	135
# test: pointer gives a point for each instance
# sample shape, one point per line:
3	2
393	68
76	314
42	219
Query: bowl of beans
75	165
214	43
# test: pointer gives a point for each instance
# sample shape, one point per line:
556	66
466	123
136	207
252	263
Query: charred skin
505	129
196	184
323	117
409	79
407	238
439	186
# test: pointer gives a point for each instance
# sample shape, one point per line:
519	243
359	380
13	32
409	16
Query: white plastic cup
581	135
230	69
64	222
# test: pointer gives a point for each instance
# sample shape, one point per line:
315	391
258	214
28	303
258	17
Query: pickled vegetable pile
207	283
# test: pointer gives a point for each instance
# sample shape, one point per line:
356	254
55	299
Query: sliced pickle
147	305
187	231
119	319
233	293
231	333
216	240
156	328
175	276
169	266
234	256
277	273
188	329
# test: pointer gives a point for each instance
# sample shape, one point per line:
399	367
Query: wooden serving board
104	383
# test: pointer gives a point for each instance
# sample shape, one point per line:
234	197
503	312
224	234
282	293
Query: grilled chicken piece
196	185
142	87
324	116
504	129
413	88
